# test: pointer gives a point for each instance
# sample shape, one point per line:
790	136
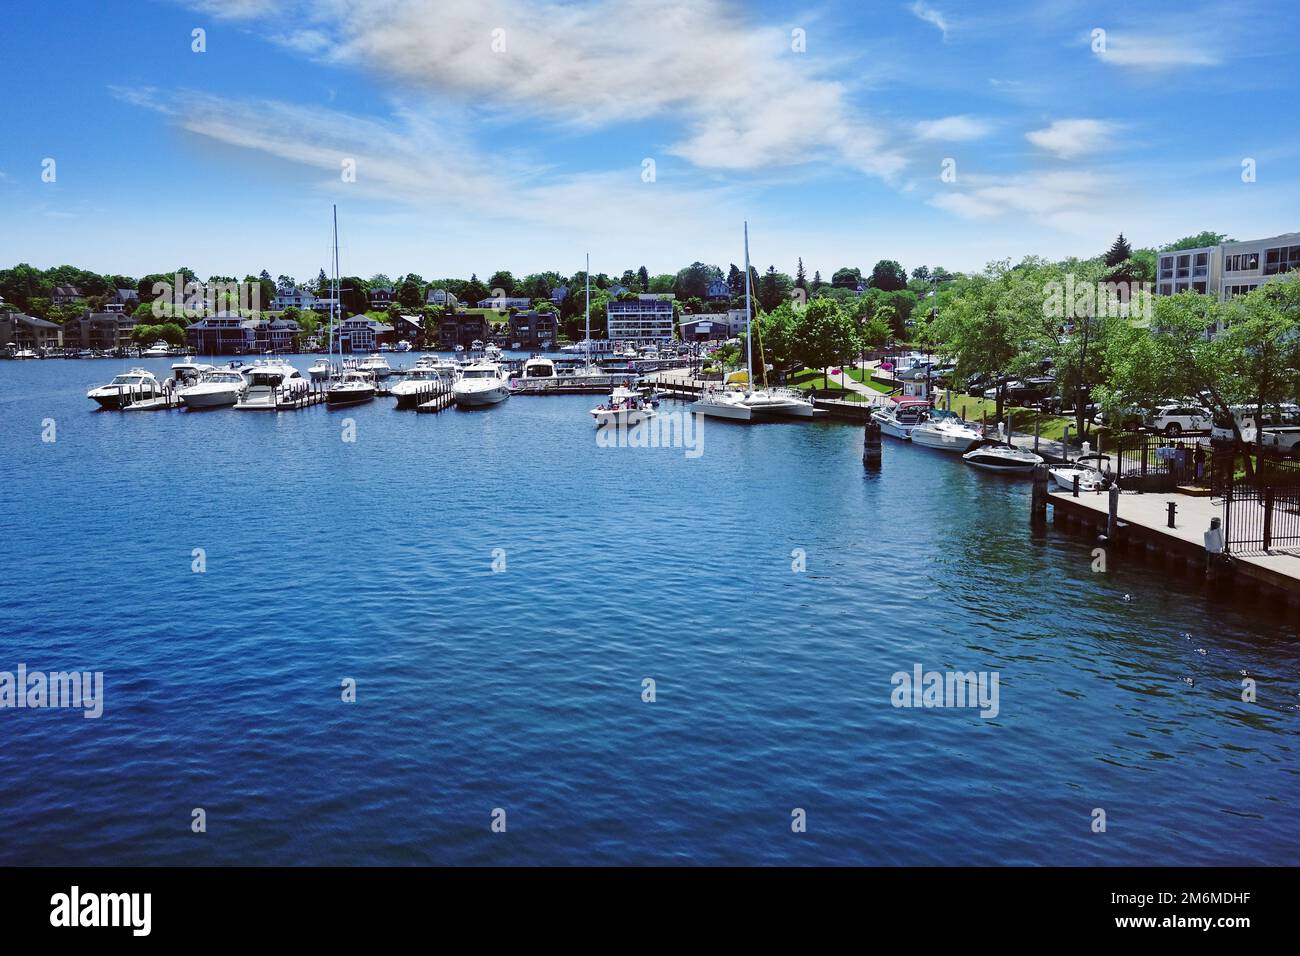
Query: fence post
1268	517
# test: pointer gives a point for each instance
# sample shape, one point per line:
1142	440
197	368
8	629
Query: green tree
1199	241
888	275
824	335
1119	251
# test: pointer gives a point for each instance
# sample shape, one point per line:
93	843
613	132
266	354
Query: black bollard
871	443
1173	509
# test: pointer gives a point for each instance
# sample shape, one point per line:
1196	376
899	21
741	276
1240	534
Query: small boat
1090	476
944	431
625	407
480	384
187	373
403	346
157	350
537	375
136	385
22	354
998	456
493	353
476	345
270	382
376	365
351	388
901	416
214	389
460	348
321	370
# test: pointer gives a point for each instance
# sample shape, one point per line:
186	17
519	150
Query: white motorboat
493	353
269	383
476	345
136	385
23	354
376	365
157	350
187	373
626	406
460	348
900	418
945	431
717	402
322	370
418	383
992	455
350	388
403	346
480	384
1089	475
537	375
214	389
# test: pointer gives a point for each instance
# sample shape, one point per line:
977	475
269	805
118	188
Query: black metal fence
1162	462
1262	513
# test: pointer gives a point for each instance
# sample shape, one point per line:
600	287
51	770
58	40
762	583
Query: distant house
616	290
407	327
299	298
558	293
122	300
719	291
66	295
531	328
223	333
440	297
28	332
463	329
505	302
381	298
273	335
99	330
362	334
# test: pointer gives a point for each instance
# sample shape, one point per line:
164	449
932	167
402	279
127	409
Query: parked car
1281	440
1179	418
1221	431
1125	419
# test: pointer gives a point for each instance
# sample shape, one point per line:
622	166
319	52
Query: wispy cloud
930	15
954	128
1063	200
1069	138
1153	52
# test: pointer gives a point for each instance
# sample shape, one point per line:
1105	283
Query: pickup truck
1281	440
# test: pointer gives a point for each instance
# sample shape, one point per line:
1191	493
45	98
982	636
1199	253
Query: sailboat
588	374
353	386
717	401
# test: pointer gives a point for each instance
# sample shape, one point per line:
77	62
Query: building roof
32	321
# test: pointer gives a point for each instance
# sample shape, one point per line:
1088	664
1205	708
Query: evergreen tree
1119	251
800	278
643	274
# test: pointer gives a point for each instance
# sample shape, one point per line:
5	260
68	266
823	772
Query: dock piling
1038	498
871	443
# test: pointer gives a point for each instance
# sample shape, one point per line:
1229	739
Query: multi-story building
105	331
361	333
647	318
530	329
299	298
505	302
713	327
1229	269
223	333
463	329
19	331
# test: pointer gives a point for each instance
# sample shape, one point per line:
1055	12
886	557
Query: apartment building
647	318
1229	269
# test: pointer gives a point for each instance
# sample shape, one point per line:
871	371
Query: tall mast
334	303
749	347
587	276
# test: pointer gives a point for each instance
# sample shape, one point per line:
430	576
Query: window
1242	262
1166	267
1198	287
1281	259
1184	266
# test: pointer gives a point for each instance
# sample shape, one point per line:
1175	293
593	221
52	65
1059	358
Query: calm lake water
522	690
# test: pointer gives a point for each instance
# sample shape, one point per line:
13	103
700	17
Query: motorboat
901	416
22	354
1086	468
537	375
945	431
270	382
157	350
187	373
403	346
322	370
136	385
418	383
376	365
782	402
493	353
999	456
718	402
460	348
626	406
476	345
480	384
214	389
350	388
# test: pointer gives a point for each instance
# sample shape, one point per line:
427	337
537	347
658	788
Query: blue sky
470	158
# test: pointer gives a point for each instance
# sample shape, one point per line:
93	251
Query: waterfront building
1229	269
222	333
361	333
462	328
105	331
719	291
558	293
298	298
647	318
19	332
531	328
273	335
381	298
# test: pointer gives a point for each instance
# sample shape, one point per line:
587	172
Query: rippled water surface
522	690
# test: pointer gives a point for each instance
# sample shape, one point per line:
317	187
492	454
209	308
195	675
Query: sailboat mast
749	347
587	277
334	297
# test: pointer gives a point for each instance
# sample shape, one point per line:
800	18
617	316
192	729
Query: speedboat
24	354
270	382
157	350
1090	476
418	383
784	402
720	403
945	431
482	383
998	456
351	388
901	417
376	365
538	374
218	387
625	407
476	345
460	348
403	346
187	373
493	353
321	370
137	385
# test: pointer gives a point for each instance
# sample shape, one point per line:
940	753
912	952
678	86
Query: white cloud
1070	201
954	128
931	15
1157	53
237	9
1069	138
